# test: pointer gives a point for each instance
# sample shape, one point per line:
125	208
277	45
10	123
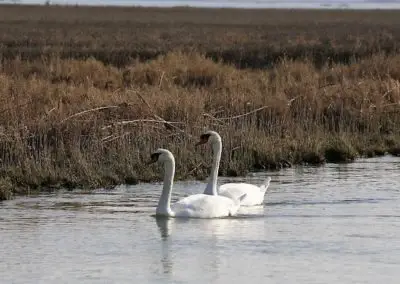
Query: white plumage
254	195
193	206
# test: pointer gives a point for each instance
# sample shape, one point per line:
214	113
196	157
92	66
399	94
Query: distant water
355	4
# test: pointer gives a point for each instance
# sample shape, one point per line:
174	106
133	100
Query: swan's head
161	156
209	136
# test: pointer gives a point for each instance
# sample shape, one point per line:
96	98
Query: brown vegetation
72	122
247	38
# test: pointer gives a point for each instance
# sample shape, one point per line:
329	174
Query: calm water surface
335	224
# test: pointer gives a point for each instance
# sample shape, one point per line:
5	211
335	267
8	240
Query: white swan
254	194
193	206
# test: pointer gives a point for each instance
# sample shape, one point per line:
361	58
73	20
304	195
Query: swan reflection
164	227
186	237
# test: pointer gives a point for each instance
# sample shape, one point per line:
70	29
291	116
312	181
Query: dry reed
69	122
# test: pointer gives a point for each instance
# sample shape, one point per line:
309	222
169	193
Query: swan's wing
254	194
205	206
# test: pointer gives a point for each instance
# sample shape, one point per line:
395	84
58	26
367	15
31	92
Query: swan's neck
164	204
211	188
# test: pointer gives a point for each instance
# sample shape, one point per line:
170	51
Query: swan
193	206
254	194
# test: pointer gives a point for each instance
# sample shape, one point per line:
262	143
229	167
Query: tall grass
72	122
81	123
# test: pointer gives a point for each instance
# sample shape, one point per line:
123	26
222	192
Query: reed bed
71	121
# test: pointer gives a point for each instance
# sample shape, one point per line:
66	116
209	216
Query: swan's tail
265	185
239	200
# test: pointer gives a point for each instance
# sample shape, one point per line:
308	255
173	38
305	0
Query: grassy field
87	93
246	38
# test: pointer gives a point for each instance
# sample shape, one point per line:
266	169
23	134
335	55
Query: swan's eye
204	137
154	157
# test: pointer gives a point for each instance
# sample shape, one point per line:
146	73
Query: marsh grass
247	38
72	122
6	188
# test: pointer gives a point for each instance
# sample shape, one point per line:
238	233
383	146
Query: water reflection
164	227
209	233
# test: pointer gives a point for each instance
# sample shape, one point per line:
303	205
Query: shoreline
314	6
8	191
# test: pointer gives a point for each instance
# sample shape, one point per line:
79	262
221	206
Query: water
310	4
335	224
